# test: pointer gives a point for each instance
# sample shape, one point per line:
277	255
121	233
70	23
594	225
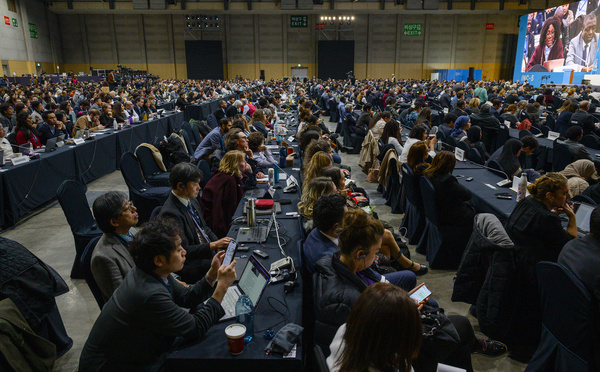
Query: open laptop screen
583	217
254	280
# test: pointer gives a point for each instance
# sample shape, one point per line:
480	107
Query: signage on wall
6	21
32	31
412	29
319	26
299	21
14	22
489	26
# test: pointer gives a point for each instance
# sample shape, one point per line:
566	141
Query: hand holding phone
420	294
230	252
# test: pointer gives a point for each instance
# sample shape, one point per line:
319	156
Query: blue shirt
212	141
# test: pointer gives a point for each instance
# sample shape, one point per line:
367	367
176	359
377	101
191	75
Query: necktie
196	219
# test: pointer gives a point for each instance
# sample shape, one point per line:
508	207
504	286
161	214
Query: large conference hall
300	185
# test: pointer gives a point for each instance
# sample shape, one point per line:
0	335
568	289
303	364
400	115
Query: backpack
172	151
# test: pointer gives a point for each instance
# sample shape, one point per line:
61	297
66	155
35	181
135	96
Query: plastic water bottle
282	156
522	190
115	124
244	314
276	173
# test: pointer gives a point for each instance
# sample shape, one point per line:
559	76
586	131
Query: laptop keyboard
229	301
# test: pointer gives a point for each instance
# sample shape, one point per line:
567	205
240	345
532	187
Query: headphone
361	256
181	185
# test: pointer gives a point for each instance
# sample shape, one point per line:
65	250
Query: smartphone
230	253
421	294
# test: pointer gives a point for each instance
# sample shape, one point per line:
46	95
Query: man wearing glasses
237	140
111	260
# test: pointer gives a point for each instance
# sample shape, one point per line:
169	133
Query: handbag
373	175
440	338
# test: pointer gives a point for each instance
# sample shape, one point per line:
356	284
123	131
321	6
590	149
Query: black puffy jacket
336	290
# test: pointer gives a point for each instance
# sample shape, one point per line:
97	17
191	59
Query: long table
28	186
201	111
211	352
484	188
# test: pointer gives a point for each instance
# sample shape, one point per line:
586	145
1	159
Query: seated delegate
111	259
145	315
26	133
223	192
182	206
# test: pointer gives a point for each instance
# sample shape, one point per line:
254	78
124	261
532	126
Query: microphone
502	183
292	179
582	60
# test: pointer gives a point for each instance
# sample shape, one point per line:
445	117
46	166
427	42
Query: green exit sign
14	22
412	29
299	21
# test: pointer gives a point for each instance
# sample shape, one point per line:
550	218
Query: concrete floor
49	237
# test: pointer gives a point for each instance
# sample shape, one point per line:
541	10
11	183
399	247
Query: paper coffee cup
235	338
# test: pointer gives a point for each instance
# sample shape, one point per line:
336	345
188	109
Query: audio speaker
471	74
414	5
262	75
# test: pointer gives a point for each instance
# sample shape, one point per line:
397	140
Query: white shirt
335	241
183	201
5	145
407	145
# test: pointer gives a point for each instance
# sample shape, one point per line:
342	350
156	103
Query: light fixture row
334	18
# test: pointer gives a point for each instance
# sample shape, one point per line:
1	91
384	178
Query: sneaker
491	348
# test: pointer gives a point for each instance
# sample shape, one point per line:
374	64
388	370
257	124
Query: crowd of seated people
359	267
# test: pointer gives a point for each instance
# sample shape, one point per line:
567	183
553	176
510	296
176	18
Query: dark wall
204	59
336	59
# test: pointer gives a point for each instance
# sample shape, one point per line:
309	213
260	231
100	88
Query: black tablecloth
28	186
32	184
211	353
484	189
201	111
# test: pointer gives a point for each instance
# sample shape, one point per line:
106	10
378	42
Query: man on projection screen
582	49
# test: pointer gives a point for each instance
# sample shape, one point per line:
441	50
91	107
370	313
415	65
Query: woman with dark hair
118	112
424	117
417	157
550	47
508	157
26	132
392	135
382	332
417	133
307	137
451	202
473	139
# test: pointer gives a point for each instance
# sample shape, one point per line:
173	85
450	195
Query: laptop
553	64
582	216
253	282
51	144
255	234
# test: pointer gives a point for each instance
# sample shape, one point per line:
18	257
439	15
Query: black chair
188	143
534	131
196	134
144	196
591	141
568	332
71	196
380	144
545	130
393	190
441	136
186	127
155	212
414	219
152	173
463	146
584	199
550	122
308	310
212	121
86	265
525	132
561	156
474	156
495	165
206	173
501	138
440	249
320	361
451	141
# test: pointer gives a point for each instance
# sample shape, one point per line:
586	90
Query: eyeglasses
128	207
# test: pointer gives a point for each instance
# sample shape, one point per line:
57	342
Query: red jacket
220	199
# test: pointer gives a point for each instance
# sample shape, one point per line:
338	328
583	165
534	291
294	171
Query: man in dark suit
140	322
137	107
111	260
365	117
445	98
197	239
328	213
579	151
50	127
220	112
581	117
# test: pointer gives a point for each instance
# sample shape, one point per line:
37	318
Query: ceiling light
352	18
